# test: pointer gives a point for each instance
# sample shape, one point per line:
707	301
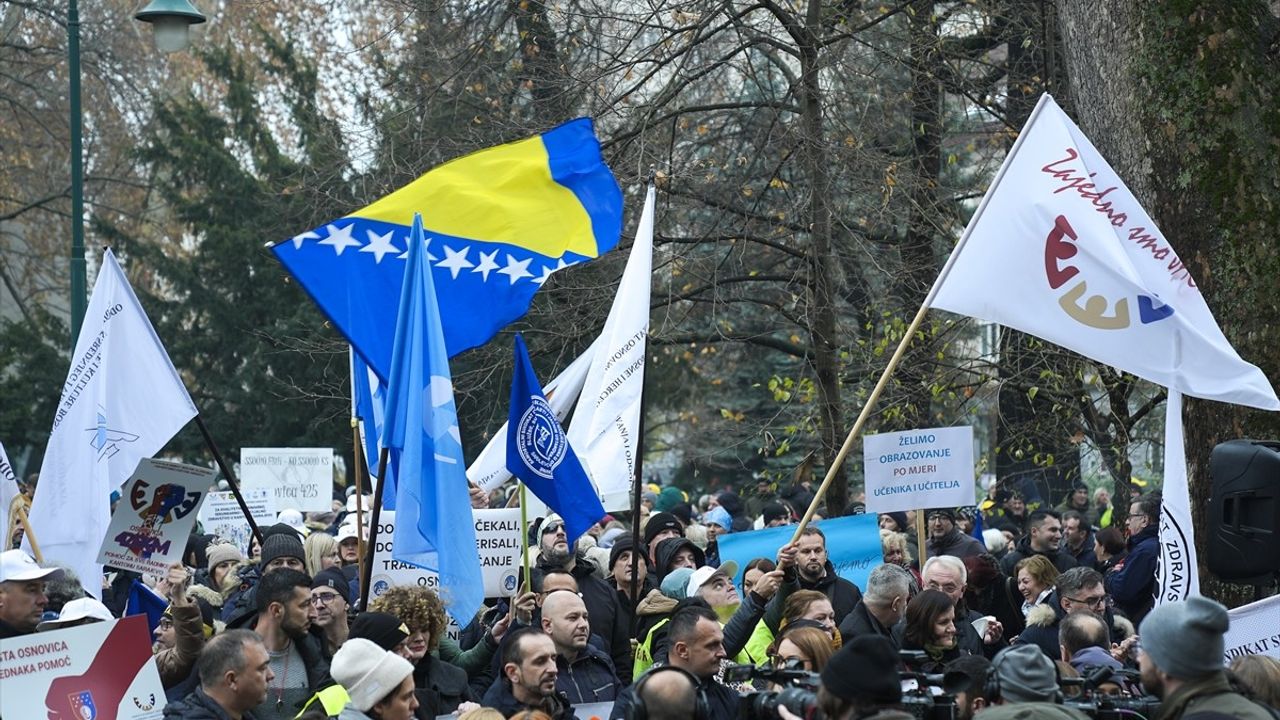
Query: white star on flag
546	275
379	245
486	264
426	245
455	261
299	239
340	238
516	269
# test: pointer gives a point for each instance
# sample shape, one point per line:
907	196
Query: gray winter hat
1026	674
1185	638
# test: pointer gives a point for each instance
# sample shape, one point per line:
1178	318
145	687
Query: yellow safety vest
332	699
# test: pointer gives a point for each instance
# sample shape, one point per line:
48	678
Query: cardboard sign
497	540
919	469
220	515
853	546
154	517
1255	630
298	478
101	671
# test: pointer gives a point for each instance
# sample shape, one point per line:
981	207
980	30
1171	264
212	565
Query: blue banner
853	546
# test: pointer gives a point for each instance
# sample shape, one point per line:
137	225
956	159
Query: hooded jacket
1060	558
666	552
956	544
1133	584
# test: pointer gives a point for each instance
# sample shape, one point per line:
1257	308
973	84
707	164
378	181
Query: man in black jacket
234	671
883	605
283	621
946	539
529	677
697	647
805	566
1044	537
585	674
606	619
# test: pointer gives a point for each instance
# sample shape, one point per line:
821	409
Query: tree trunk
1183	99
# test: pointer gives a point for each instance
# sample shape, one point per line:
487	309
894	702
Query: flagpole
874	397
359	463
31	536
230	476
637	487
367	576
524	536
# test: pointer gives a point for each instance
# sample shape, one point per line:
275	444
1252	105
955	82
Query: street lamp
172	20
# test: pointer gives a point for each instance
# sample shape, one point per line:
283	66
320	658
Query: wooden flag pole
31	536
911	330
359	462
524	535
230	476
367	577
920	537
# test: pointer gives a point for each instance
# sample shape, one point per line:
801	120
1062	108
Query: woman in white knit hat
379	683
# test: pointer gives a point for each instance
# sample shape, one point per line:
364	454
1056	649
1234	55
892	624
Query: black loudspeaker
1244	510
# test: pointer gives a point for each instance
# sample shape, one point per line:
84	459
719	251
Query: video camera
922	702
799	692
1109	707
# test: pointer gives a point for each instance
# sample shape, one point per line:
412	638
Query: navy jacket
590	678
500	698
1133	584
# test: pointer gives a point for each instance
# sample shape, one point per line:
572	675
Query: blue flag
539	454
426	481
144	601
498	223
368	398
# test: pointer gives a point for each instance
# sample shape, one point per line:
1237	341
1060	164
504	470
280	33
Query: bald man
586	674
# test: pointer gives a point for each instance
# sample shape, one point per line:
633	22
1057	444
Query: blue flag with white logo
426	481
539	454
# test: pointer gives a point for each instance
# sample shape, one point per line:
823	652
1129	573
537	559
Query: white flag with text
122	402
1177	577
605	429
8	492
1062	250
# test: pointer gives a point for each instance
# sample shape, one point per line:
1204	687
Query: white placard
100	670
220	515
298	478
919	469
497	540
1255	630
155	516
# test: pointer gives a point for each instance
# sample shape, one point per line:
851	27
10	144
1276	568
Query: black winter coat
1060	559
603	613
199	706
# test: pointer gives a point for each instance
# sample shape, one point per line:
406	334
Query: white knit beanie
368	672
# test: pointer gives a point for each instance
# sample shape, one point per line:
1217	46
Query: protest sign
154	517
497	540
298	478
220	515
102	671
919	469
853	546
1255	630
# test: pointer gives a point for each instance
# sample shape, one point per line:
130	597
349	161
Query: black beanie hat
659	522
773	511
282	545
866	669
382	628
949	513
621	545
333	579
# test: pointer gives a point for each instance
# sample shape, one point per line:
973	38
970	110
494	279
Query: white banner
101	671
605	429
1061	249
220	515
919	469
8	493
122	402
489	471
1177	577
298	478
497	542
1255	630
155	516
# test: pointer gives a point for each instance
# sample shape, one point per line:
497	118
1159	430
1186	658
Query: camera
1110	707
922	701
798	693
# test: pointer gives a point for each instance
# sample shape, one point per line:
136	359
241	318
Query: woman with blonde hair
321	552
1035	576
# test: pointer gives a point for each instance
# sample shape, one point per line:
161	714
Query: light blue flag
426	475
368	398
539	454
853	546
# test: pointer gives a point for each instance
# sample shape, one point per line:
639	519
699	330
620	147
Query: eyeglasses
948	588
323	598
1097	602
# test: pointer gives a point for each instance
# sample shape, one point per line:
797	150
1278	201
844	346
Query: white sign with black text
299	478
497	540
919	469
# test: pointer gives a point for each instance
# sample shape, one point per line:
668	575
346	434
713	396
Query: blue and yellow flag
539	454
498	222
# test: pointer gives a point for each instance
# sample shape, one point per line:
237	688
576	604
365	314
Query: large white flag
8	491
489	471
122	402
1177	577
605	429
1061	249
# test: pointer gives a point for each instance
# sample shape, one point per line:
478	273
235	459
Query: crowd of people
1013	620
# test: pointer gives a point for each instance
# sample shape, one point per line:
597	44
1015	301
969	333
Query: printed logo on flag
82	704
105	439
541	447
1089	309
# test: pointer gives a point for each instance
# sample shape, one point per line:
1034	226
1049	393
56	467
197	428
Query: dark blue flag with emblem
538	453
